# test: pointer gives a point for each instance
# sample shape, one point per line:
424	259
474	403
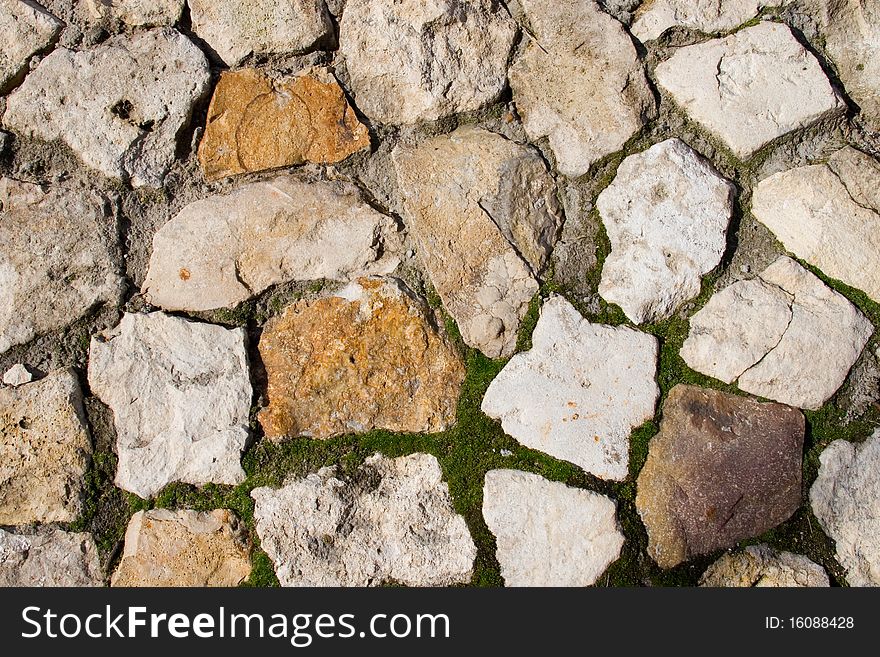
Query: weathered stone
224	249
654	17
722	469
579	82
761	565
17	375
183	548
118	106
44	450
392	522
666	215
138	13
367	357
750	87
844	498
421	61
547	533
579	392
484	213
25	29
50	557
180	395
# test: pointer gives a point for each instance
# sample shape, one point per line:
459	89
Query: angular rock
722	469
579	392
119	106
180	395
25	29
257	123
49	557
44	450
17	375
138	13
654	17
422	61
393	521
547	533
485	217
666	215
183	548
226	248
761	565
579	82
750	87
367	357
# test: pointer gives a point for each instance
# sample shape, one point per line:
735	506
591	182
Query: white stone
180	395
137	13
579	392
762	566
654	17
666	215
49	557
547	533
393	522
25	29
17	375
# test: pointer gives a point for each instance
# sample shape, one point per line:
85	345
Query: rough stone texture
226	248
180	396
579	82
183	548
844	498
829	215
50	557
257	123
761	565
367	357
666	215
25	29
57	258
420	61
44	450
392	522
118	106
579	392
750	87
17	375
485	217
547	533
138	13
654	17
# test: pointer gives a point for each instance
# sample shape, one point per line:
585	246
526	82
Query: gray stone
49	557
762	566
137	13
26	28
654	17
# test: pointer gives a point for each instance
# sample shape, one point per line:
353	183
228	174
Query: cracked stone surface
25	29
49	557
761	565
654	17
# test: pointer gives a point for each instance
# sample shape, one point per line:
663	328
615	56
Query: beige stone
25	29
762	566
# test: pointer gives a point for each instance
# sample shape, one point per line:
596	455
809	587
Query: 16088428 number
821	622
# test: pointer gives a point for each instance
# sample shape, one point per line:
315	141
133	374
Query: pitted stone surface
761	565
25	29
49	557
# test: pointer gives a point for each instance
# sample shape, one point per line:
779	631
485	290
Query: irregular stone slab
579	82
547	533
750	87
17	375
579	392
118	106
180	396
654	17
485	216
392	522
44	450
722	469
761	565
183	548
49	557
25	29
367	357
138	13
844	499
422	61
57	258
666	215
829	215
227	248
257	123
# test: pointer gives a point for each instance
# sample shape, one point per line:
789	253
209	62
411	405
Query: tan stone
257	123
366	357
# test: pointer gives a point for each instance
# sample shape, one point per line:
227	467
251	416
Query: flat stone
138	13
421	61
844	498
485	216
58	258
366	357
119	106
391	522
723	468
579	82
256	123
829	215
654	17
750	87
180	395
579	392
227	248
25	29
666	215
761	565
547	533
183	548
17	375
49	557
44	450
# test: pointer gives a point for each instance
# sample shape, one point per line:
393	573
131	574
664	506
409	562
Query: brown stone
256	123
367	357
723	468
